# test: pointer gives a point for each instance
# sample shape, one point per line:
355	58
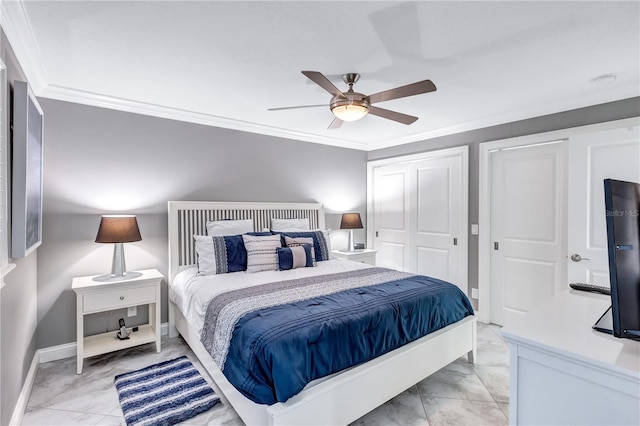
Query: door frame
463	152
484	191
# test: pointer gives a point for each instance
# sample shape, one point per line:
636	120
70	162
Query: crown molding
121	104
18	30
531	112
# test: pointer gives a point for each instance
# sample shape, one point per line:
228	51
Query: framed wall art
26	188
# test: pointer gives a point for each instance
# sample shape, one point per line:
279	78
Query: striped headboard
187	218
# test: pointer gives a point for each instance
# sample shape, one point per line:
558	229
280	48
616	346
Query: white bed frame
340	398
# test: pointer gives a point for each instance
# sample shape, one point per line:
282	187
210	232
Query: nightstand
96	294
363	256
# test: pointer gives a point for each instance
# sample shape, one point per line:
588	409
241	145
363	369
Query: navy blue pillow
236	253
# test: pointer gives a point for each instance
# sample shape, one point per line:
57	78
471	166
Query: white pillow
327	238
262	252
223	228
207	259
289	225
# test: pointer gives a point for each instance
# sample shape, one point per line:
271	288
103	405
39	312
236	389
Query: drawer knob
121	297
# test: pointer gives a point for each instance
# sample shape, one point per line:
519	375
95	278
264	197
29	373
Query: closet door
418	214
439	226
391	216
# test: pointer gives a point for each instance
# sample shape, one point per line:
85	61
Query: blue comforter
277	348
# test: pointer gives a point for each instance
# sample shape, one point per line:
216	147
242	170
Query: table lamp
351	221
118	229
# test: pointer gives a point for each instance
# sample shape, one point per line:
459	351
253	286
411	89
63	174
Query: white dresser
564	372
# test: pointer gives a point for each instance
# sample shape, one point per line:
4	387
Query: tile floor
459	394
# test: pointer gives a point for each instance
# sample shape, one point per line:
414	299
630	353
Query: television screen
622	204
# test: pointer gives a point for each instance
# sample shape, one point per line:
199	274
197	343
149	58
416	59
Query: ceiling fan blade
323	82
424	86
299	106
335	124
392	115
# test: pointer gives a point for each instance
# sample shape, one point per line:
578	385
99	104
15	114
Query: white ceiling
226	63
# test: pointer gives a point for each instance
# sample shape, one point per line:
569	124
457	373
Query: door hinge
455	241
496	246
376	233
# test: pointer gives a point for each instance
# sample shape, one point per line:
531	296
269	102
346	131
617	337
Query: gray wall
99	161
18	297
579	117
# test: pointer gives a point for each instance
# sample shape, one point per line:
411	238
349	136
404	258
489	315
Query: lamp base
350	244
118	269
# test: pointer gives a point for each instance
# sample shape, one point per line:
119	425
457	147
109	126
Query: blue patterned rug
164	394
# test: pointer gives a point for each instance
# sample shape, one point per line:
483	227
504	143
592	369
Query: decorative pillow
261	252
301	241
321	242
220	255
221	228
290	225
294	257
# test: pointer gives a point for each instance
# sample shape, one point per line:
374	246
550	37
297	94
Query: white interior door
391	216
439	223
593	157
528	193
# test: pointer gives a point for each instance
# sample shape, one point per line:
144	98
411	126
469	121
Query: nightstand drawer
118	298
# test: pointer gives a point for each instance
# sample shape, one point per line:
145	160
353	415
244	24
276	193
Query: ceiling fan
352	106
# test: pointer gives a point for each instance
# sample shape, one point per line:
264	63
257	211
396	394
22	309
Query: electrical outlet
474	229
474	293
132	311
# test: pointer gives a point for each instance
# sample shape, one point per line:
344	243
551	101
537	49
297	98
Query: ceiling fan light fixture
350	109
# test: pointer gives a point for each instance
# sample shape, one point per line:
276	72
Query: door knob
577	258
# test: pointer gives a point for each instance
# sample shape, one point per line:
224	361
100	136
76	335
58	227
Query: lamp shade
118	229
351	221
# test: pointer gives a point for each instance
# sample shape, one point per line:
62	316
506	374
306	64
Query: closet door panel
438	215
391	217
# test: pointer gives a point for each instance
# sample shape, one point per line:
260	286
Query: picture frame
26	186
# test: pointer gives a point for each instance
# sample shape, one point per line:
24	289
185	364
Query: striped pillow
295	257
321	242
261	252
301	241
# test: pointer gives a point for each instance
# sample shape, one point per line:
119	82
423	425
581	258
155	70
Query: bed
338	398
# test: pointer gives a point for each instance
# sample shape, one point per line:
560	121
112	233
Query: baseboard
68	350
23	398
52	353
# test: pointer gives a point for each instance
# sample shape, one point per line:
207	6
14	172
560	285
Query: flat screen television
622	206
